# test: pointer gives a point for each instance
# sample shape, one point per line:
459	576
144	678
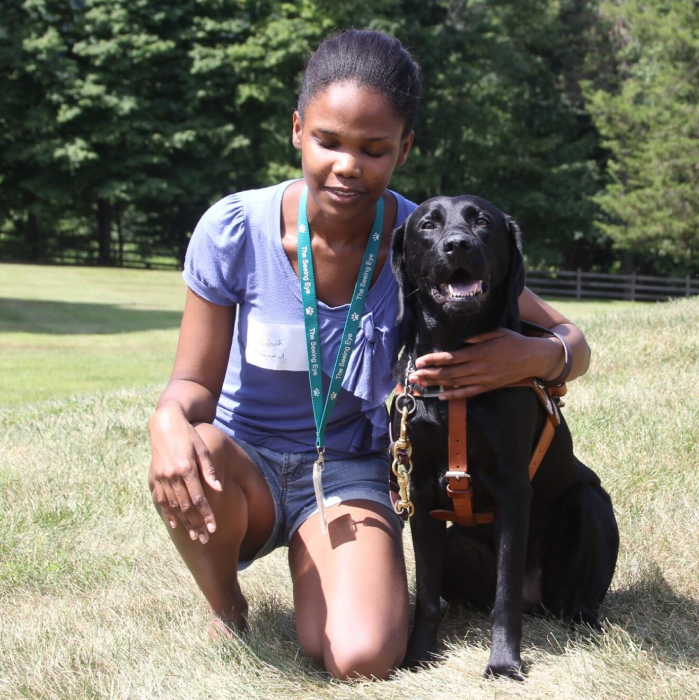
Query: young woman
253	446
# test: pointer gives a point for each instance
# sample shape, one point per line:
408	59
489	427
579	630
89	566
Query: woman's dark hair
366	58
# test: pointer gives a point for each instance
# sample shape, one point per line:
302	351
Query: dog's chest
429	436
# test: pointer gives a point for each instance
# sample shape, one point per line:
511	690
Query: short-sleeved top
236	257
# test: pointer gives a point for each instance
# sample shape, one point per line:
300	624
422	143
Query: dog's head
459	256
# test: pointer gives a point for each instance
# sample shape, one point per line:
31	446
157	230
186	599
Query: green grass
70	330
95	602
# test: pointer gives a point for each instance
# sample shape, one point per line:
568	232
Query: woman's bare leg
244	513
350	590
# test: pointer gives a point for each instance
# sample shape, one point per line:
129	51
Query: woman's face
350	142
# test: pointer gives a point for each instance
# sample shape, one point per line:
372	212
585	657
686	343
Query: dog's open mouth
460	288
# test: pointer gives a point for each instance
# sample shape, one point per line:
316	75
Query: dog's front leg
511	528
429	544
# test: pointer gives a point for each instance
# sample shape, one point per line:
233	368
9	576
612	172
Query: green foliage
122	120
648	114
495	119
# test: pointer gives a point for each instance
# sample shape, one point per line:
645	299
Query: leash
458	479
402	451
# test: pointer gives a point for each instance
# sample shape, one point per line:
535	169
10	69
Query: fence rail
555	283
602	285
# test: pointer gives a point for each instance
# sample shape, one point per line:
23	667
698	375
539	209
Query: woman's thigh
240	477
350	590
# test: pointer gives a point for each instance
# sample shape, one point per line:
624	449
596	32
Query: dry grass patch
95	603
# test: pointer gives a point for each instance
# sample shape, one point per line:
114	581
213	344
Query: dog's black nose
456	243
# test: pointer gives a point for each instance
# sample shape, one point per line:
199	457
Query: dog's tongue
466	287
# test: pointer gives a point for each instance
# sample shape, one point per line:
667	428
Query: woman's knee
366	656
214	438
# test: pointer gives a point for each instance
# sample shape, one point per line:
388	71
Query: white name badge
276	346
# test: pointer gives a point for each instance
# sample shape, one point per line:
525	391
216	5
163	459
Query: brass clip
402	450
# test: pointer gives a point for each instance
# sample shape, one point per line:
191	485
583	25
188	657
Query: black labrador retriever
553	544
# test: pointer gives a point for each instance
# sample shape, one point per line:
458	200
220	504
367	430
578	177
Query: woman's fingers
486	362
465	392
173	504
468	352
163	505
202	512
206	466
189	513
442	375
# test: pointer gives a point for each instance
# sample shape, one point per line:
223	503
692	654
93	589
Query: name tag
276	346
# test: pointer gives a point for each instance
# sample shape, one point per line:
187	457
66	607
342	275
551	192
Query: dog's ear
516	274
398	267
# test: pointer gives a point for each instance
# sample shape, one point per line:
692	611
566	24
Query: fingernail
202	538
412	378
217	484
211	527
192	535
173	524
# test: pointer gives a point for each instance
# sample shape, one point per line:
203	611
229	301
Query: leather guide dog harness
457	476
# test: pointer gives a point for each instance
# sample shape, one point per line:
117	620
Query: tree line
121	121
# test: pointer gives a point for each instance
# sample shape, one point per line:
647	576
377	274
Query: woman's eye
375	155
428	225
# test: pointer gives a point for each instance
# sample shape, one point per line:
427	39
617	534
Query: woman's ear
405	146
398	267
296	131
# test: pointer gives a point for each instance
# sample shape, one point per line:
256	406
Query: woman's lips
343	195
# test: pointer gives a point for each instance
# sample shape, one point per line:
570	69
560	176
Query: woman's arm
201	360
180	457
502	357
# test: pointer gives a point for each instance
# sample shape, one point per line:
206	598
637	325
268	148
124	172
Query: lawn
95	603
69	330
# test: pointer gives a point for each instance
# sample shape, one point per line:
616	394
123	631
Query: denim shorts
289	477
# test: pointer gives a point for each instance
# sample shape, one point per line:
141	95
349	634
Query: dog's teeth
451	291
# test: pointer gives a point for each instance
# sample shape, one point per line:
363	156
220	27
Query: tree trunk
120	236
33	247
184	223
104	231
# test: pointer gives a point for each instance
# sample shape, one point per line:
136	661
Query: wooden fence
599	285
550	283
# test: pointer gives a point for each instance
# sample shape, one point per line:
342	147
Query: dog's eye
481	221
428	225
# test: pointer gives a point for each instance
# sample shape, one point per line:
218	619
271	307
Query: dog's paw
412	664
419	654
514	672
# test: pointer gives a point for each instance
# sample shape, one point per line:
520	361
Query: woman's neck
339	233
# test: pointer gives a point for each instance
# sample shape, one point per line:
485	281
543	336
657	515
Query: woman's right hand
179	460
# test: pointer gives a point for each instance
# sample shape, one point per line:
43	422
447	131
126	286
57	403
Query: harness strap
459	480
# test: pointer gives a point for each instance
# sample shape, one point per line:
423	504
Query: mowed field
95	603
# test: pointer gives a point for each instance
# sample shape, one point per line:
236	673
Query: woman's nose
346	165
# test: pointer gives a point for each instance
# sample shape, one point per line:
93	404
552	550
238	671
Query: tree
648	113
496	117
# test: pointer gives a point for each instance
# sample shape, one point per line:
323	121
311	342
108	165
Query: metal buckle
456	475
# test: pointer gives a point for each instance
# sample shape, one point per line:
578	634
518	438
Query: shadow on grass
68	318
654	616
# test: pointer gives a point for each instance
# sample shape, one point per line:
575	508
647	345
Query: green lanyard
322	411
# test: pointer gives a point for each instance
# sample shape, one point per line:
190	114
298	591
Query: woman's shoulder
404	207
241	205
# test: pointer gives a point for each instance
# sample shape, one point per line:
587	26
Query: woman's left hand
486	362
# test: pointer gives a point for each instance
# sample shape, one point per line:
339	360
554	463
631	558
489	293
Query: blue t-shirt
236	257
